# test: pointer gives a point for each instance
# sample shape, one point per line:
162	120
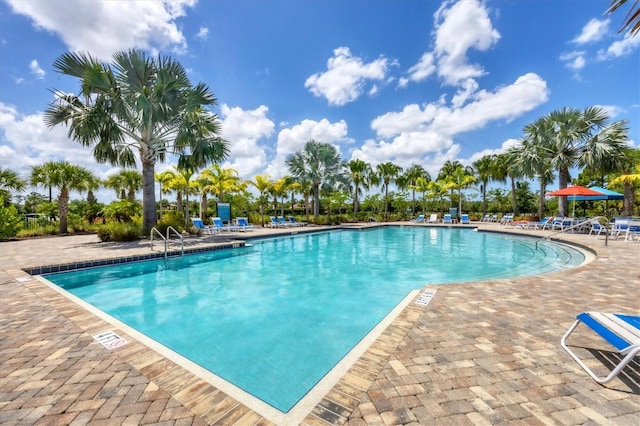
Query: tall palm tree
179	180
422	186
570	137
163	179
408	181
360	173
461	178
10	181
263	184
529	160
447	170
387	173
137	102
318	163
505	167
223	180
483	169
66	177
629	179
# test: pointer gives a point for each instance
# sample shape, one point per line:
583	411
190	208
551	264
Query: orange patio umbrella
573	191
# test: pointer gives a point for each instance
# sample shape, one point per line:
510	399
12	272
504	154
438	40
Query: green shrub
10	221
130	231
174	219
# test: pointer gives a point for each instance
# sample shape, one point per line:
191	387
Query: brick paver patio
478	353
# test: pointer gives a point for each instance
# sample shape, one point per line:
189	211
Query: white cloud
346	77
594	30
35	69
25	141
291	140
423	69
105	27
244	129
462	26
575	60
620	48
506	145
203	33
425	134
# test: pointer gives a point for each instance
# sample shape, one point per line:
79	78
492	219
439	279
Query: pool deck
479	353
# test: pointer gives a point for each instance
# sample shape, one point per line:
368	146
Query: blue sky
412	82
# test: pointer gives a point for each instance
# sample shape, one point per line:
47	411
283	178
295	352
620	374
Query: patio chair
447	219
418	219
218	225
433	218
633	231
486	218
242	224
199	224
597	229
283	222
507	218
620	331
464	219
542	222
294	222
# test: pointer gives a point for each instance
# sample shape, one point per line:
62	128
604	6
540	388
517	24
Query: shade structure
606	194
573	192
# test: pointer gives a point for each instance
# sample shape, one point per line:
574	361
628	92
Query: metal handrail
169	229
161	236
606	234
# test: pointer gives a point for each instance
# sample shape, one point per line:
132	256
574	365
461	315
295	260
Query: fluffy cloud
291	140
203	33
425	134
620	48
346	77
108	26
594	30
244	129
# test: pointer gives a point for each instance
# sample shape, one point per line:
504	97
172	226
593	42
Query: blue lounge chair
464	219
274	222
283	222
542	222
447	219
199	224
507	218
621	331
242	224
220	226
294	222
418	219
597	228
633	231
486	218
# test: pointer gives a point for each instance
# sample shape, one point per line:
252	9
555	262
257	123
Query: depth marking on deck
109	339
426	297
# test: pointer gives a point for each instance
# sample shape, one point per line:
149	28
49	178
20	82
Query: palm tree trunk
628	199
316	202
563	181
386	201
514	197
63	209
543	189
148	194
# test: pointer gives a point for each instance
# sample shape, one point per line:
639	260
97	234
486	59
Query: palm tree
140	103
318	163
529	160
408	181
632	20
66	177
570	137
422	185
163	179
360	173
447	170
179	180
126	183
43	174
483	169
387	173
462	177
505	167
263	184
10	181
629	179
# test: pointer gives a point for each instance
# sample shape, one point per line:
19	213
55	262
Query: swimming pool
273	318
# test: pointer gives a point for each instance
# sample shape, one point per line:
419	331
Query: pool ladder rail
166	240
578	225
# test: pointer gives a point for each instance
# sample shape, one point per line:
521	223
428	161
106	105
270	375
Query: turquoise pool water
275	317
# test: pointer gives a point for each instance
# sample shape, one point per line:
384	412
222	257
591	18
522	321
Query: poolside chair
464	219
542	222
274	222
418	219
294	222
633	231
620	225
507	218
486	218
621	331
433	218
242	224
218	225
199	224
597	228
283	222
494	218
447	219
